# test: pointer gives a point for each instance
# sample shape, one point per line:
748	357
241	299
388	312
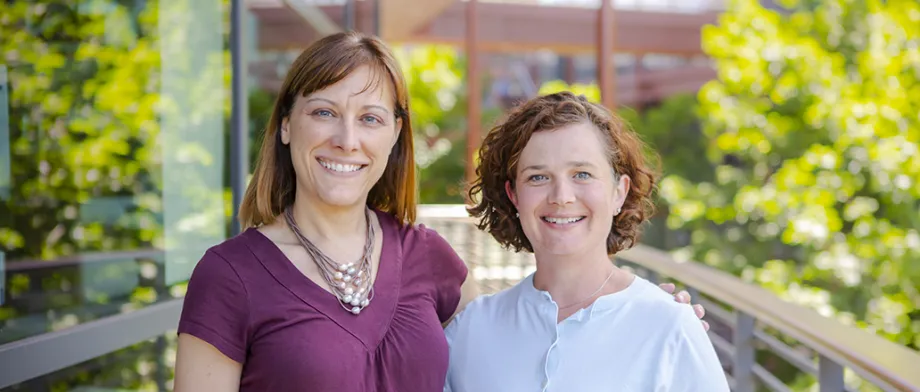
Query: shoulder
658	309
675	322
487	309
239	249
420	243
230	260
687	356
416	237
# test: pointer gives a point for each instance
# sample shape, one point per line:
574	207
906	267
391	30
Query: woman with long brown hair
331	287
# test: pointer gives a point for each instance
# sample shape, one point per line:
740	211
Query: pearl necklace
351	282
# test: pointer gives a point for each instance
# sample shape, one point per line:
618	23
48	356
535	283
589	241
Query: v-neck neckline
372	323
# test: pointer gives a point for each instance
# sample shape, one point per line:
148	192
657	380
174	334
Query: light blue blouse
638	340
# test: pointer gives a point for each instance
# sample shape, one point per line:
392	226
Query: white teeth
562	221
340	167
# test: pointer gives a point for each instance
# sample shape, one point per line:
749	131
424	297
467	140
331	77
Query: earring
618	211
517	215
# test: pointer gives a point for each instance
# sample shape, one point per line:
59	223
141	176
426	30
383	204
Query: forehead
365	84
576	142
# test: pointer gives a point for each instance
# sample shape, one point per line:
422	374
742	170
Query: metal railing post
830	375
743	362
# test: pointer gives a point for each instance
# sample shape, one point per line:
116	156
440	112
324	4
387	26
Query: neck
573	278
322	222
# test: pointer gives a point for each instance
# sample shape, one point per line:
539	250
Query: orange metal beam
633	90
473	94
605	37
512	28
400	18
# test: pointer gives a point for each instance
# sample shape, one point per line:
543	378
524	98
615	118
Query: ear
621	191
509	190
285	131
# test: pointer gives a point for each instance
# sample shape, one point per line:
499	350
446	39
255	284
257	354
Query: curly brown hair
501	151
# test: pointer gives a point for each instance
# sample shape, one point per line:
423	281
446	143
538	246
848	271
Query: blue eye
583	175
536	177
371	120
322	113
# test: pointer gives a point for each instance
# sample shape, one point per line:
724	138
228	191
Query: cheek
379	151
599	199
303	135
529	198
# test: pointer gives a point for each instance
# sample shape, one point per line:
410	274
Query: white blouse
638	339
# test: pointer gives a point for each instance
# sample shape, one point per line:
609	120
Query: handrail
79	259
877	360
891	363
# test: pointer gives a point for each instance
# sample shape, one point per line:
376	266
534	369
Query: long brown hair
501	151
325	63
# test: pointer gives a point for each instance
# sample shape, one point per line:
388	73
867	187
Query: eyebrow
570	163
385	110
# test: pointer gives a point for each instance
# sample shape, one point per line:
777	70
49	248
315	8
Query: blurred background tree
86	105
813	134
436	76
798	168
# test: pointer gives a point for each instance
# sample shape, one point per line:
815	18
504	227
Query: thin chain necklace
592	294
351	282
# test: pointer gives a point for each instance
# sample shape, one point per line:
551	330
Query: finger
705	325
668	287
683	297
700	312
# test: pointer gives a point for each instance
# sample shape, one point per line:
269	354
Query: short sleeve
694	365
216	307
449	273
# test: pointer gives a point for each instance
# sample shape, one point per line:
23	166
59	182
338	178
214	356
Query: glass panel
145	366
2	276
4	140
117	131
194	100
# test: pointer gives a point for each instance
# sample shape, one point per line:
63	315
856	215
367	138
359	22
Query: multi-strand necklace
351	282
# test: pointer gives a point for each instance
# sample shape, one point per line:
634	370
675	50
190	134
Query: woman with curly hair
567	180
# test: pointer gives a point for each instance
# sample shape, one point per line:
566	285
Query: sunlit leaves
814	132
590	91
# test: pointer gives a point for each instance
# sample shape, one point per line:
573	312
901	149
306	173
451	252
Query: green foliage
813	134
590	91
437	89
90	139
98	93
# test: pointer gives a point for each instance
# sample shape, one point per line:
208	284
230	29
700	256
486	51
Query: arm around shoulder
695	367
213	328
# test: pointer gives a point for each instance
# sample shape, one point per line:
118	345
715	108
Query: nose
562	193
347	137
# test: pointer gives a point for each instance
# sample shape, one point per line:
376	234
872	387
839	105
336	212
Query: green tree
813	132
92	85
591	92
437	92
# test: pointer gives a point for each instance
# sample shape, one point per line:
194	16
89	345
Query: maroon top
250	302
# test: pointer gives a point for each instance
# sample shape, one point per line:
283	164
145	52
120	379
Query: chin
559	246
342	197
562	249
